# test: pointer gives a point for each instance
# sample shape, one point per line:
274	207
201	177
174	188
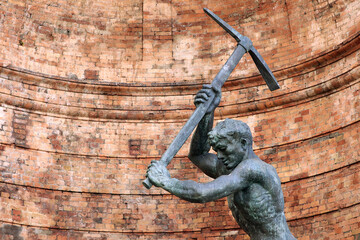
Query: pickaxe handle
200	111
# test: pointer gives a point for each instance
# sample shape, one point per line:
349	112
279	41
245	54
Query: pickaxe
244	45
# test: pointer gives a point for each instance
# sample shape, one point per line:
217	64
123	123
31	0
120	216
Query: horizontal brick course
82	211
123	175
111	138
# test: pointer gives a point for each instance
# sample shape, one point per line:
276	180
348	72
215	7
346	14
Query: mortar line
142	24
289	22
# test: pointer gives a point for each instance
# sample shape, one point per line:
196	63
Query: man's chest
253	203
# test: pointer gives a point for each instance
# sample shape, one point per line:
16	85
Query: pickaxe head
246	43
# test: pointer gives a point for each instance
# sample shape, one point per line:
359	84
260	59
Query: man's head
232	140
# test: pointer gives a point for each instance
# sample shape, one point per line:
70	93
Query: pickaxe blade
264	69
247	44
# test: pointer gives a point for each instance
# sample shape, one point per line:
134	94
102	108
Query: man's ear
243	142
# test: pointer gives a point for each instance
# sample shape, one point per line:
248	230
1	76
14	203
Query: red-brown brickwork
92	91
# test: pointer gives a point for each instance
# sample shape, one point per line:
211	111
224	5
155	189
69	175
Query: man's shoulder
253	163
254	166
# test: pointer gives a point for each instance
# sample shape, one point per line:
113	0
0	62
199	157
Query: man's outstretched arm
196	192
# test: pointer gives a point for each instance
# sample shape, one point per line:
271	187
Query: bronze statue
252	187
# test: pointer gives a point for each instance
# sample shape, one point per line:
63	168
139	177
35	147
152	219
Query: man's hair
230	127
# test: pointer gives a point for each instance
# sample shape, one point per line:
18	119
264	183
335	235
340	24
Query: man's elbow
194	193
196	200
199	196
195	159
198	157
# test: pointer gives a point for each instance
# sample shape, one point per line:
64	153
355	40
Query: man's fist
157	173
205	94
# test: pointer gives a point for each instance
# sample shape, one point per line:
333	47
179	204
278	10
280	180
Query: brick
91	74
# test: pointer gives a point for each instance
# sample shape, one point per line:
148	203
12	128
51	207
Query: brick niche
91	91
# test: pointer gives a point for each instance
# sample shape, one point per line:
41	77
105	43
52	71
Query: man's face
230	151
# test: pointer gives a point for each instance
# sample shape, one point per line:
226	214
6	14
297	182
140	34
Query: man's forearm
187	190
199	144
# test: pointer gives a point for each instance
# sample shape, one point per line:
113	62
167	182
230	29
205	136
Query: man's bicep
208	163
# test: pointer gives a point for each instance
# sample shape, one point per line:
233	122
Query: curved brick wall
157	41
90	94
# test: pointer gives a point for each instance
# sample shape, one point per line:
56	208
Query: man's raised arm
200	147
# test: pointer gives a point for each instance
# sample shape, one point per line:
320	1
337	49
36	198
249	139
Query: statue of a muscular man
252	187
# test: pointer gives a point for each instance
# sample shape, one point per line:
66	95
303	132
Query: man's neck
250	154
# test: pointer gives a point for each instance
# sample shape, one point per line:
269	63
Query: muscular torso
254	210
259	209
255	204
